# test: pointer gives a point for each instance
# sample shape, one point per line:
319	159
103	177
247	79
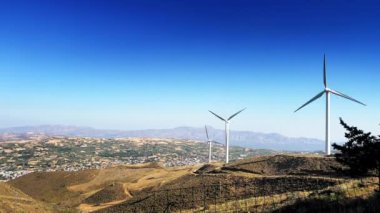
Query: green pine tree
361	153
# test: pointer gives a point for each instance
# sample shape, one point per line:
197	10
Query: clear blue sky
160	64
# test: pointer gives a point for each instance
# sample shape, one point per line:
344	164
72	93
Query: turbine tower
328	91
227	129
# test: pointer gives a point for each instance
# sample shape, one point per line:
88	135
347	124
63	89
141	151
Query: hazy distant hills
239	138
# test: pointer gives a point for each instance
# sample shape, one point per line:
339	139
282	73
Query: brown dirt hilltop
286	165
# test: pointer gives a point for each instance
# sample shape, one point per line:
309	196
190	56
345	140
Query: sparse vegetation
14	200
286	165
361	153
112	192
281	182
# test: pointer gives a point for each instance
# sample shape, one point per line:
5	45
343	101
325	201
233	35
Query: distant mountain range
238	138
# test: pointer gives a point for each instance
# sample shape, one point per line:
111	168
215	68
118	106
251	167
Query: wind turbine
209	145
227	129
327	91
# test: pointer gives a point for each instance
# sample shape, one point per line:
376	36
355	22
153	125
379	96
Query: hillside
112	192
52	187
247	139
89	189
284	178
14	200
286	165
253	173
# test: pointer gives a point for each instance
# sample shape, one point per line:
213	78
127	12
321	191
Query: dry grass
348	190
252	204
285	165
277	177
133	181
71	189
13	200
52	187
112	192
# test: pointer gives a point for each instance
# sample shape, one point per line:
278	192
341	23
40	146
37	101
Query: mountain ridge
247	139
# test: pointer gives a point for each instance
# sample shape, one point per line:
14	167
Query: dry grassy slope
13	200
52	187
124	174
134	180
285	165
191	186
112	192
71	189
279	168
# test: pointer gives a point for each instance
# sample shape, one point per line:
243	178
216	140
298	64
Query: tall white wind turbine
209	145
327	91
227	129
209	141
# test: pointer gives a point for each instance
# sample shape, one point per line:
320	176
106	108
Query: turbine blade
217	116
207	133
324	71
346	97
311	100
235	114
